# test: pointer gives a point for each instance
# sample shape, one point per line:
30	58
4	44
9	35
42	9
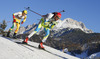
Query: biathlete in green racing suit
48	22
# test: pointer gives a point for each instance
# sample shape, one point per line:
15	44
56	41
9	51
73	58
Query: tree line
3	25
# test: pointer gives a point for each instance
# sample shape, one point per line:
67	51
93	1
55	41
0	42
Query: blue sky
86	11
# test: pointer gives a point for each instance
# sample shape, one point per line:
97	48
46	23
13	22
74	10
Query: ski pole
28	8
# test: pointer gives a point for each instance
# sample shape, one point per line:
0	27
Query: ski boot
14	36
8	34
41	46
25	41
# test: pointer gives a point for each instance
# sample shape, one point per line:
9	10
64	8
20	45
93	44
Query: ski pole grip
62	11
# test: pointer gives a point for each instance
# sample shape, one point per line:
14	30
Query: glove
54	23
52	26
14	20
22	22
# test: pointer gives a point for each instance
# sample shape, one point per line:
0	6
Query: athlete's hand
14	20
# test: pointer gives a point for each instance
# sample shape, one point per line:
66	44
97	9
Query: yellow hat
25	11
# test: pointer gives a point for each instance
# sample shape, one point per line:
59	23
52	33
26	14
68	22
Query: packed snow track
11	50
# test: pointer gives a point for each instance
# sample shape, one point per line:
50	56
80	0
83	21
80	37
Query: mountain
11	50
70	23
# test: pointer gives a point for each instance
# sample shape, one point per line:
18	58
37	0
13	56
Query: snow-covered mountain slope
70	23
11	50
95	56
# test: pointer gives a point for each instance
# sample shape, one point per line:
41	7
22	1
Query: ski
28	45
40	49
34	47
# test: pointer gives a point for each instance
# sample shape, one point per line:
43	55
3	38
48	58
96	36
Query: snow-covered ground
95	56
11	50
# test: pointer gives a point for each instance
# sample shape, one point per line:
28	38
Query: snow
95	56
11	50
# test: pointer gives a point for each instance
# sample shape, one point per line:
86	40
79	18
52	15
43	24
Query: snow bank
12	50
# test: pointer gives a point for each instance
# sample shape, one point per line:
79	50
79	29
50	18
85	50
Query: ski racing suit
48	23
16	21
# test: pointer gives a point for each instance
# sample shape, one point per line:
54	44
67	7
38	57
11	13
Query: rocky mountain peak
70	23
